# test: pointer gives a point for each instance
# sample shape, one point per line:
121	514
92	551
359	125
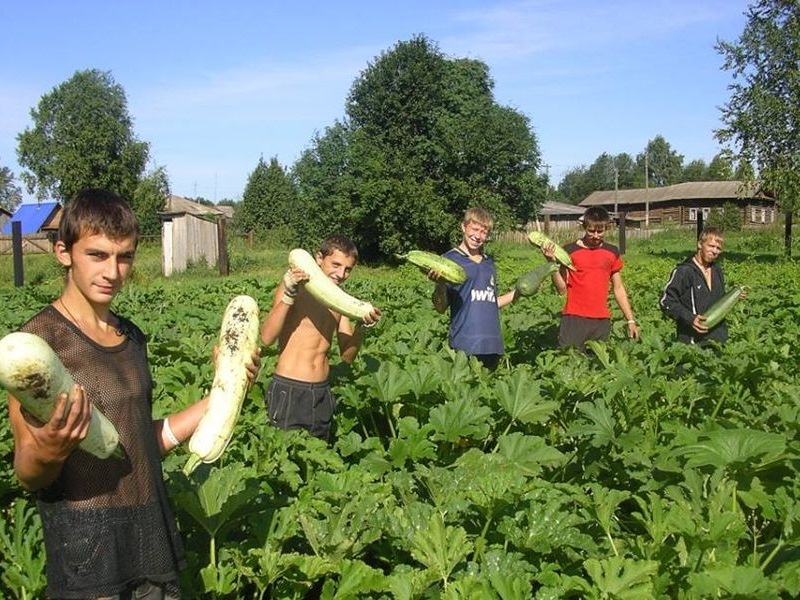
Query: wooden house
681	203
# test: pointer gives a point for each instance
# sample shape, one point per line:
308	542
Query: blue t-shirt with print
474	315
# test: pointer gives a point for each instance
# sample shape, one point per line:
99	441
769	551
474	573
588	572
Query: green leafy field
644	470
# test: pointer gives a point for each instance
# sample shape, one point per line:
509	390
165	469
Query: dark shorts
293	404
490	361
147	590
575	331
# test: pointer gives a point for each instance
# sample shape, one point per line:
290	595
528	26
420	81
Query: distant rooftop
33	216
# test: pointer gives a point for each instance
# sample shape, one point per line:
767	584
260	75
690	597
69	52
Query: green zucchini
529	283
428	261
537	238
720	309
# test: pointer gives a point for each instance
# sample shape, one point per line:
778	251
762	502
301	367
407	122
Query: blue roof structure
32	216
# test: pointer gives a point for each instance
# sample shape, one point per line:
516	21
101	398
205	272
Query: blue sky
213	86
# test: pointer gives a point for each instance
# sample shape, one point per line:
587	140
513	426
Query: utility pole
646	192
616	189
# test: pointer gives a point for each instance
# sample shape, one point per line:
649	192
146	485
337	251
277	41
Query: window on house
707	211
693	214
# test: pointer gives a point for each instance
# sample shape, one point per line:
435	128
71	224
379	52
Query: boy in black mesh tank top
108	528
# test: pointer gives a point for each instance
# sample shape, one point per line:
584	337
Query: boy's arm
559	276
439	296
272	325
40	449
175	429
506	298
670	301
621	296
350	338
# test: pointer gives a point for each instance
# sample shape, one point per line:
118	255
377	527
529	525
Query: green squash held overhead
539	239
529	283
428	261
34	375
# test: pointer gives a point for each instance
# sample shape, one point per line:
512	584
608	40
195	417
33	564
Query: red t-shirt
587	287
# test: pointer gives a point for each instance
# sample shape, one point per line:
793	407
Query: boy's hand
372	318
699	324
434	275
292	279
253	367
549	252
67	427
633	330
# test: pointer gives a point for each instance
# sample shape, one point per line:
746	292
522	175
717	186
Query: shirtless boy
299	396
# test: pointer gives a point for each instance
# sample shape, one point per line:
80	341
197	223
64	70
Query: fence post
16	246
222	244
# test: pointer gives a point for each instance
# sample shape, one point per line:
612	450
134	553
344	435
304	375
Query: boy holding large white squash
307	310
108	527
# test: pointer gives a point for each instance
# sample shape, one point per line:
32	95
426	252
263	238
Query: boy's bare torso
305	340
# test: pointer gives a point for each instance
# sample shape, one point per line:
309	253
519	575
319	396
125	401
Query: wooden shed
681	203
190	234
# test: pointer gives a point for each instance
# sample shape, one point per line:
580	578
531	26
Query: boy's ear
319	258
62	254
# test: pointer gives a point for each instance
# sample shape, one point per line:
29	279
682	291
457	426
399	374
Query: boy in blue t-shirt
474	304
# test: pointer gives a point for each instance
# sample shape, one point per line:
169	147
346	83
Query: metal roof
32	215
690	190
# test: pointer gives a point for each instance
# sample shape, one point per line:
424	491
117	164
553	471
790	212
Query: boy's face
475	235
709	249
593	233
98	266
337	265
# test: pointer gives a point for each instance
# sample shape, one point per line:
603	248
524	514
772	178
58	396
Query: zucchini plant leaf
440	547
621	578
520	396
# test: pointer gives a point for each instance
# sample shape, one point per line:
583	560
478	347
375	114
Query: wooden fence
34	243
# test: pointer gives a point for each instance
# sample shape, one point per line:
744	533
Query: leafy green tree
664	165
269	202
762	118
721	168
572	186
423	140
149	199
82	136
696	170
10	192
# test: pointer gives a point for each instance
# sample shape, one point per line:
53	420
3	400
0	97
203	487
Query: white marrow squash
34	375
326	291
238	339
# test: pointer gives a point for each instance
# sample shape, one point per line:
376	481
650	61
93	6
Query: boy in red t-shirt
586	315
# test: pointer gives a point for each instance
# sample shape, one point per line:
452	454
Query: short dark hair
96	211
595	214
340	243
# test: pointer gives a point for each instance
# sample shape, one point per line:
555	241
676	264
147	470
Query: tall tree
720	168
82	136
10	192
149	199
696	170
762	118
269	200
423	140
664	166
